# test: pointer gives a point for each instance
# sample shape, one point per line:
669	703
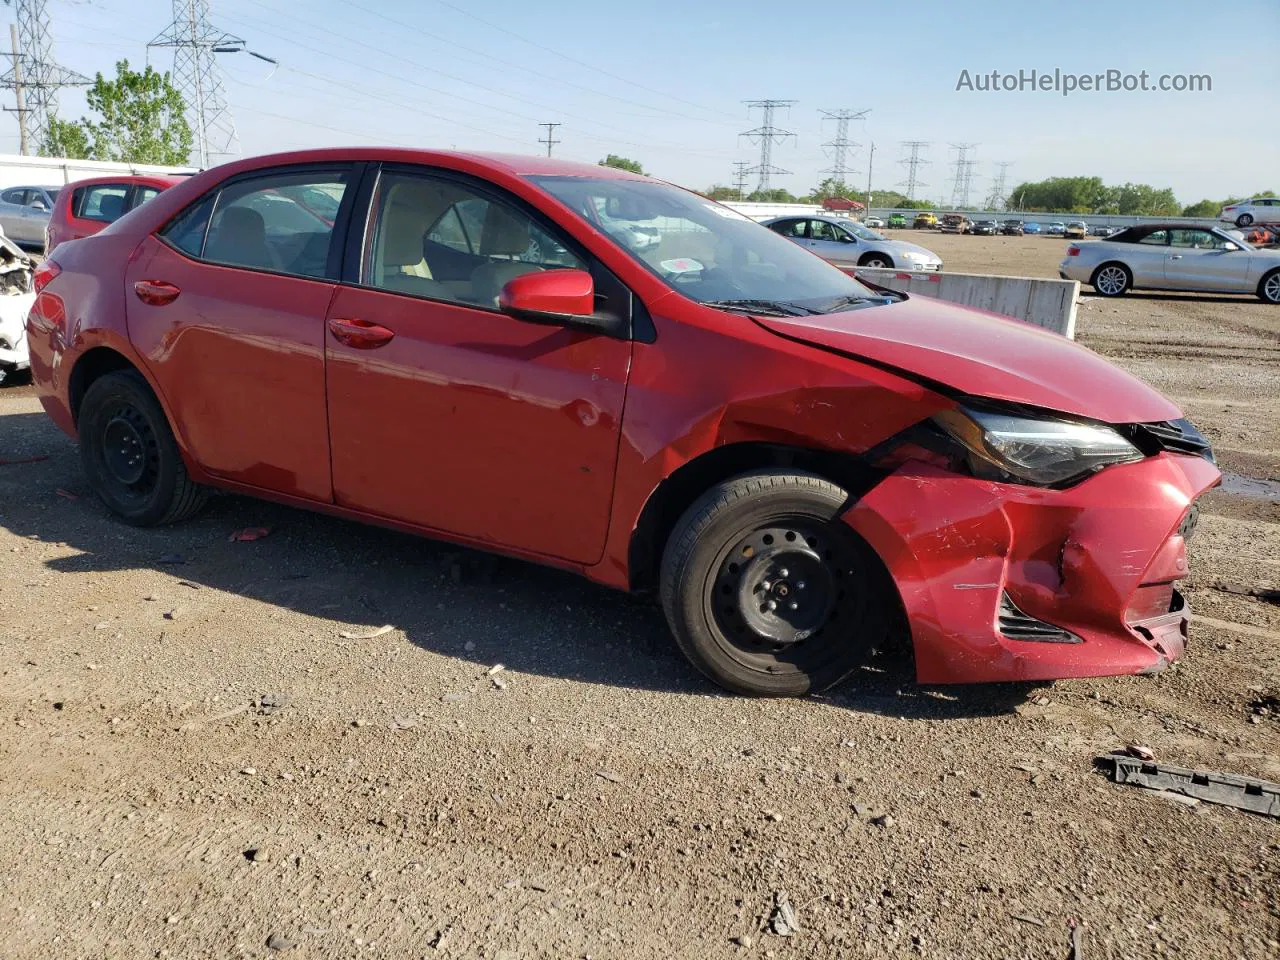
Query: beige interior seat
505	236
400	264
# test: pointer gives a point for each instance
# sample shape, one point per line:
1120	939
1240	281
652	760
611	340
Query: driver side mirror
551	297
39	205
1230	246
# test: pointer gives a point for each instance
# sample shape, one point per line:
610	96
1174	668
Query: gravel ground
204	750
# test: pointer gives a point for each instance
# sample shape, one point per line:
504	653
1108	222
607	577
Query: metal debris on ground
783	920
1243	793
248	534
371	635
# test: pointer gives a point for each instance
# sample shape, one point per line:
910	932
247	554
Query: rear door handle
156	293
360	334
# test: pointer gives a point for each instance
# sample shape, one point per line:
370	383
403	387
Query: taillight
45	272
1073	251
1227	209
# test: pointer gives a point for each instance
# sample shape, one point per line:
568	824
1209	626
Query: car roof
167	179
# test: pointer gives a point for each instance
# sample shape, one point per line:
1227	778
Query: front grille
1172	436
1017	625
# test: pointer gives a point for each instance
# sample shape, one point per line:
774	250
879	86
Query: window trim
634	324
356	172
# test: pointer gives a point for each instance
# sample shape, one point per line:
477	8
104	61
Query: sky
666	83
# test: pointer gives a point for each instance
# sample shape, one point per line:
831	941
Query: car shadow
1184	296
445	599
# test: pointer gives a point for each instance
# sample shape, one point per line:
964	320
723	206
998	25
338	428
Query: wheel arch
679	489
875	255
1111	263
92	365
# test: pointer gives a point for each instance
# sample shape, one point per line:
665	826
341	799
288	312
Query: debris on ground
248	534
370	635
608	775
783	920
496	668
1076	940
403	723
279	942
1141	752
270	703
1027	918
66	494
1265	594
498	682
11	463
744	940
173	614
1243	793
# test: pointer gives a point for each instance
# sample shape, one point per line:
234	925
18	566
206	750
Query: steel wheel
129	454
1111	280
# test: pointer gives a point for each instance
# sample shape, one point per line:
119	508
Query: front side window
282	223
1195	239
443	240
1157	238
821	230
104	202
704	250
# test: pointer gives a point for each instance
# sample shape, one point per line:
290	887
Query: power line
766	135
997	198
550	140
740	177
962	179
840	146
913	162
34	76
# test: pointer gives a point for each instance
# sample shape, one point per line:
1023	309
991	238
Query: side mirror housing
551	297
1230	246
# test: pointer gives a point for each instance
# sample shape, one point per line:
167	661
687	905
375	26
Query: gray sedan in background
847	242
24	213
1174	256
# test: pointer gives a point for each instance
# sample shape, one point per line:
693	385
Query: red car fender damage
1085	559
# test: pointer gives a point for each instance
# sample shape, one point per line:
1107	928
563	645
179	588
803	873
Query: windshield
864	233
706	251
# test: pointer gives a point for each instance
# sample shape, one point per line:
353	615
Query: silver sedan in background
1174	256
24	213
849	243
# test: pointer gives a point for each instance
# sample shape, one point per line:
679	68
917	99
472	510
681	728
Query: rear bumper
1098	560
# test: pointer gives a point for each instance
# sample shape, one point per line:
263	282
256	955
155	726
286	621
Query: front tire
130	456
1244	220
875	260
1269	288
767	592
1112	280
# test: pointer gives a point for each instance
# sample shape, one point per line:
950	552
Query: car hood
903	246
983	355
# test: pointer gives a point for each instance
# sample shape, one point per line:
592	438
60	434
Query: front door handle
360	334
156	293
1175	256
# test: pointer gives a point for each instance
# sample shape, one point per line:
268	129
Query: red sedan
87	206
588	368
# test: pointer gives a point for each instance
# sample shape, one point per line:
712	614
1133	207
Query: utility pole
766	135
740	176
34	76
913	162
871	159
962	181
550	141
839	147
195	42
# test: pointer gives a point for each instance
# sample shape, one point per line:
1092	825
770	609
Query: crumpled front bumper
1098	560
14	354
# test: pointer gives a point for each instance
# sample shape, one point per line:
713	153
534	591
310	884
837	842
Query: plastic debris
1243	793
248	534
372	635
67	494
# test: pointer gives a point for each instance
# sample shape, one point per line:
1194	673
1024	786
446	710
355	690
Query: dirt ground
196	759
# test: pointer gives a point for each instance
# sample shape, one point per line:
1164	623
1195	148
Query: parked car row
42	217
960	223
802	468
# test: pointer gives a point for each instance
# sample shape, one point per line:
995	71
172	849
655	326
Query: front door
447	414
831	243
1199	260
230	320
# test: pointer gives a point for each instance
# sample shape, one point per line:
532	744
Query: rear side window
17	195
282	223
104	202
142	194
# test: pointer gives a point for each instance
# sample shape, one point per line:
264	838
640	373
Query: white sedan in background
1174	256
1248	212
16	298
848	243
873	223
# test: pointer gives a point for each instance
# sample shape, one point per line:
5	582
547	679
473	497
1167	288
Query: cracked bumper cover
1099	560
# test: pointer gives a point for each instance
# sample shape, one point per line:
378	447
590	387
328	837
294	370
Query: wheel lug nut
783	573
794	605
766	585
800	585
773	605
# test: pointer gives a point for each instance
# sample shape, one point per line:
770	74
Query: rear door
227	306
1198	260
1146	258
448	414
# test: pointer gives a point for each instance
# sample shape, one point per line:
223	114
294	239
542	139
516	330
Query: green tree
622	163
776	195
718	191
138	117
1205	208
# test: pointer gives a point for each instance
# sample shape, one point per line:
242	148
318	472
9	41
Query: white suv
1248	212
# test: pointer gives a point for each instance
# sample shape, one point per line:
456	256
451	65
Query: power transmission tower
962	180
34	76
766	135
838	148
550	139
996	199
913	162
195	41
740	176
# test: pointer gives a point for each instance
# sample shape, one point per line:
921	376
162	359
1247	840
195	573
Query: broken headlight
1043	451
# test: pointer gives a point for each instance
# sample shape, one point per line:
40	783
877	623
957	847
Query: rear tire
130	456
1269	288
767	592
1112	280
1244	220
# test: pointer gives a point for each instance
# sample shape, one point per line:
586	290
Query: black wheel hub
123	450
777	587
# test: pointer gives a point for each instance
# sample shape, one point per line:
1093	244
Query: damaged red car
587	368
